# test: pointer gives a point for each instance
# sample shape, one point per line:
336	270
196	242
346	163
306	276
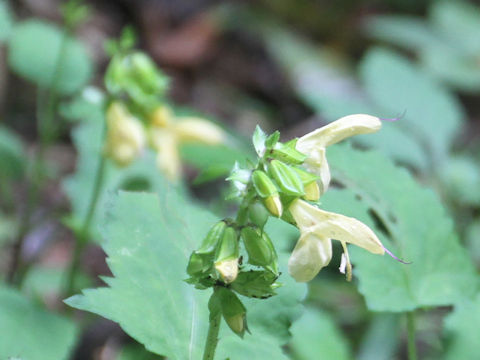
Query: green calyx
286	178
260	249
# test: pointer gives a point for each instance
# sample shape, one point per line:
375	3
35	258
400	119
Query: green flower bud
258	214
212	239
274	205
286	178
288	153
263	184
266	189
226	257
260	249
310	185
233	311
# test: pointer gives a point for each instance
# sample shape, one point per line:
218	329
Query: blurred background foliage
283	64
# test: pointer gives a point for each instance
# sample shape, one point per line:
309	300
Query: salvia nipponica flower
168	132
317	229
125	137
314	144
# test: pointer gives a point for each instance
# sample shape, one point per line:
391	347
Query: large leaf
326	83
462	328
432	114
148	243
35	48
315	336
31	333
416	228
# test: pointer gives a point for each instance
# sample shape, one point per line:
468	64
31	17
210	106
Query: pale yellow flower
317	228
125	135
168	132
314	144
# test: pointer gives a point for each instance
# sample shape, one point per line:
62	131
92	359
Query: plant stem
45	121
212	337
83	234
412	347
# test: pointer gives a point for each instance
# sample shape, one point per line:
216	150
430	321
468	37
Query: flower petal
310	255
199	130
330	225
337	131
168	158
317	163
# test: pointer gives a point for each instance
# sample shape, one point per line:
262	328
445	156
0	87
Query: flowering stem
82	235
412	347
212	337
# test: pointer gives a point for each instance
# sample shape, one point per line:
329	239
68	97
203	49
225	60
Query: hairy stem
412	347
212	337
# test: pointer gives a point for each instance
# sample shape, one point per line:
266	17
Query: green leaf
148	243
416	228
212	161
459	22
6	20
34	52
12	155
432	114
31	333
315	336
407	31
462	328
325	82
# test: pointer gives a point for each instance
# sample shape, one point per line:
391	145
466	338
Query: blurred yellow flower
167	132
317	228
314	144
125	138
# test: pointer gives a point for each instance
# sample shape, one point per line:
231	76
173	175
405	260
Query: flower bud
126	136
226	257
268	191
260	249
258	214
212	239
274	205
162	116
233	311
287	179
199	130
310	185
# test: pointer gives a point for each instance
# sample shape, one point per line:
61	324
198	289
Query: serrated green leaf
420	232
401	87
326	84
148	243
31	333
34	48
462	328
315	336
